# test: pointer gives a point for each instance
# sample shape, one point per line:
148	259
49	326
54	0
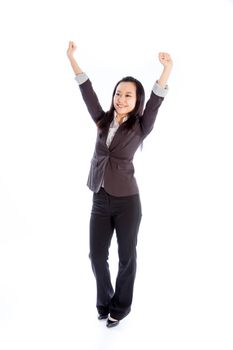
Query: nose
121	99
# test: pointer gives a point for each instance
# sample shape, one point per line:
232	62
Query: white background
183	291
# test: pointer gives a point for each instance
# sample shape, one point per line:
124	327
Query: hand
165	59
71	49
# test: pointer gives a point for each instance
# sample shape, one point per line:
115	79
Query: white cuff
159	90
81	78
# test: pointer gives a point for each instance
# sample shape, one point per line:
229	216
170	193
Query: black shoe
110	323
102	316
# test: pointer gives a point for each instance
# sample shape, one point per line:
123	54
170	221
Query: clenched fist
71	49
165	59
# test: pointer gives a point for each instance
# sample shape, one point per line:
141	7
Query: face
125	98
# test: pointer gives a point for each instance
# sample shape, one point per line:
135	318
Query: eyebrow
127	92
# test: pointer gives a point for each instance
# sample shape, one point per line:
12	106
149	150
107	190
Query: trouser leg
101	231
127	222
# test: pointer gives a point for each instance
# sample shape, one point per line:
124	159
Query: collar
115	118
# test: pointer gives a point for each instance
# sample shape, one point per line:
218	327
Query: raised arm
166	61
158	93
70	53
89	96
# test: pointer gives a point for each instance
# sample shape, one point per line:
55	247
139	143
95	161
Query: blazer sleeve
90	98
152	107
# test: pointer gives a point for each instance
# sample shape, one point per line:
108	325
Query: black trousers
122	214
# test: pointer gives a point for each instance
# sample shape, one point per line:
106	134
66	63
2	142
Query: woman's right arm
89	96
70	53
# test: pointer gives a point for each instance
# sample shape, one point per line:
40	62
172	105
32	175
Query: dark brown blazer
113	166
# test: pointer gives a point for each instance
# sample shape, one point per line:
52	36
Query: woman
116	202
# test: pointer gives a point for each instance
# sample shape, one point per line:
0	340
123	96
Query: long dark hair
134	114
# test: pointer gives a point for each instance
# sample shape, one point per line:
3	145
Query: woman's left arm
158	93
166	61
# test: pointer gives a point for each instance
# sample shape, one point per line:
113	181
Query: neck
120	117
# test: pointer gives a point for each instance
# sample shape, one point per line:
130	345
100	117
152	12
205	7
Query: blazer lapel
117	138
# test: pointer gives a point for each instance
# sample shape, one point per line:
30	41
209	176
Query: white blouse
113	128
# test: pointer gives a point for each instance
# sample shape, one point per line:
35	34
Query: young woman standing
116	201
